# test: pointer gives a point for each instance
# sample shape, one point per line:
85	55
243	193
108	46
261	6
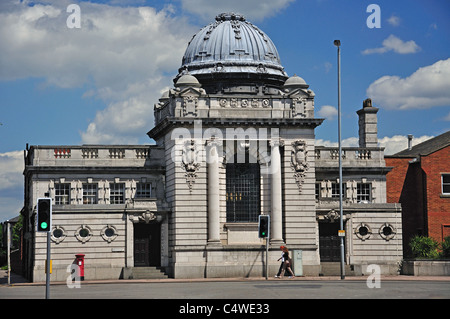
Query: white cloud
328	112
392	43
399	143
11	186
254	10
427	87
120	54
125	120
394	20
11	169
347	142
392	145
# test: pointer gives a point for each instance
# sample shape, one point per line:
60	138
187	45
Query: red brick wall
404	184
395	178
437	206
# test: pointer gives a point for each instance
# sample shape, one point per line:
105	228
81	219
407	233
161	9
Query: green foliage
445	246
424	247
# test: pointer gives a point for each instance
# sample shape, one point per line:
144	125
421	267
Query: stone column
276	233
213	193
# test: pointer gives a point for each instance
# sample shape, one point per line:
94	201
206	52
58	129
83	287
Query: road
240	289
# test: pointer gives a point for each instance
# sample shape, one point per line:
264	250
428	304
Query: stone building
234	139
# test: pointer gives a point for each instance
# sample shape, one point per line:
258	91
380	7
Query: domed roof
295	82
187	80
231	45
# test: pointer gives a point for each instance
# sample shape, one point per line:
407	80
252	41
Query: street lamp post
337	43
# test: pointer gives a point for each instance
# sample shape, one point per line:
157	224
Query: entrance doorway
147	245
329	242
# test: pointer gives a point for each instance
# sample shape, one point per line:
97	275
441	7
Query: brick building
420	181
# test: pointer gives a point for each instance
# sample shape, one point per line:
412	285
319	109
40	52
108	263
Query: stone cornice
170	122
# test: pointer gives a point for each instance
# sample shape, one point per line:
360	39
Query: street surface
256	289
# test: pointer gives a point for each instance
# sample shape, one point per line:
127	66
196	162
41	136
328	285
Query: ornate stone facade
234	139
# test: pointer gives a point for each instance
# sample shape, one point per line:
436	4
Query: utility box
297	260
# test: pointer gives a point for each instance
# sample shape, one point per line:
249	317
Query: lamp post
337	43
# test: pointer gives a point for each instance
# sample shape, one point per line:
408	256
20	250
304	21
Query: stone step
334	269
148	273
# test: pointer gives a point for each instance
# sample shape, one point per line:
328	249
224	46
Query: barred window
62	194
317	191
363	192
335	190
144	190
117	193
89	194
243	192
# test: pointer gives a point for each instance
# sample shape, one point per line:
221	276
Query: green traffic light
44	225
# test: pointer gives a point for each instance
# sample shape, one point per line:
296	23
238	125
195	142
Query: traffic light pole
264	232
267	247
267	251
44	224
47	271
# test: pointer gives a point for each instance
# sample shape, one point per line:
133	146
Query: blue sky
98	83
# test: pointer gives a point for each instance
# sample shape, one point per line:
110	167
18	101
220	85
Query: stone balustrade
96	155
351	156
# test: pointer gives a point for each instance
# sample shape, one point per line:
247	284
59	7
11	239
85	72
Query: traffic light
44	214
263	226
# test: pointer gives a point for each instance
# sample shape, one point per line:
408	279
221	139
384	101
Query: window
363	192
83	233
363	231
317	191
445	184
144	190
89	194
387	231
62	194
58	234
117	193
335	190
243	192
109	233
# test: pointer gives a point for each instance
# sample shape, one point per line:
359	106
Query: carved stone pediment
146	217
296	93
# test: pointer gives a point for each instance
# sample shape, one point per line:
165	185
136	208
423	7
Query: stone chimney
368	125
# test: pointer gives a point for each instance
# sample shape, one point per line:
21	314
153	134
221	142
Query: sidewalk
15	279
18	280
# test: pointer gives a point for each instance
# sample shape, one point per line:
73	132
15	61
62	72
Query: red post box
80	263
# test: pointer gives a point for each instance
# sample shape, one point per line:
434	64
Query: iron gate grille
243	192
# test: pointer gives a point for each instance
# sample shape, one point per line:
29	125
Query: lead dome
295	82
229	47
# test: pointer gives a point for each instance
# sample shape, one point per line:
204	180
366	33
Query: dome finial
227	16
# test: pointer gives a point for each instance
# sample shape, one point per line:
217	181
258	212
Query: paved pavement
17	280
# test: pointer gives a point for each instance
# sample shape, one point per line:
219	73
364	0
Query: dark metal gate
329	242
147	245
